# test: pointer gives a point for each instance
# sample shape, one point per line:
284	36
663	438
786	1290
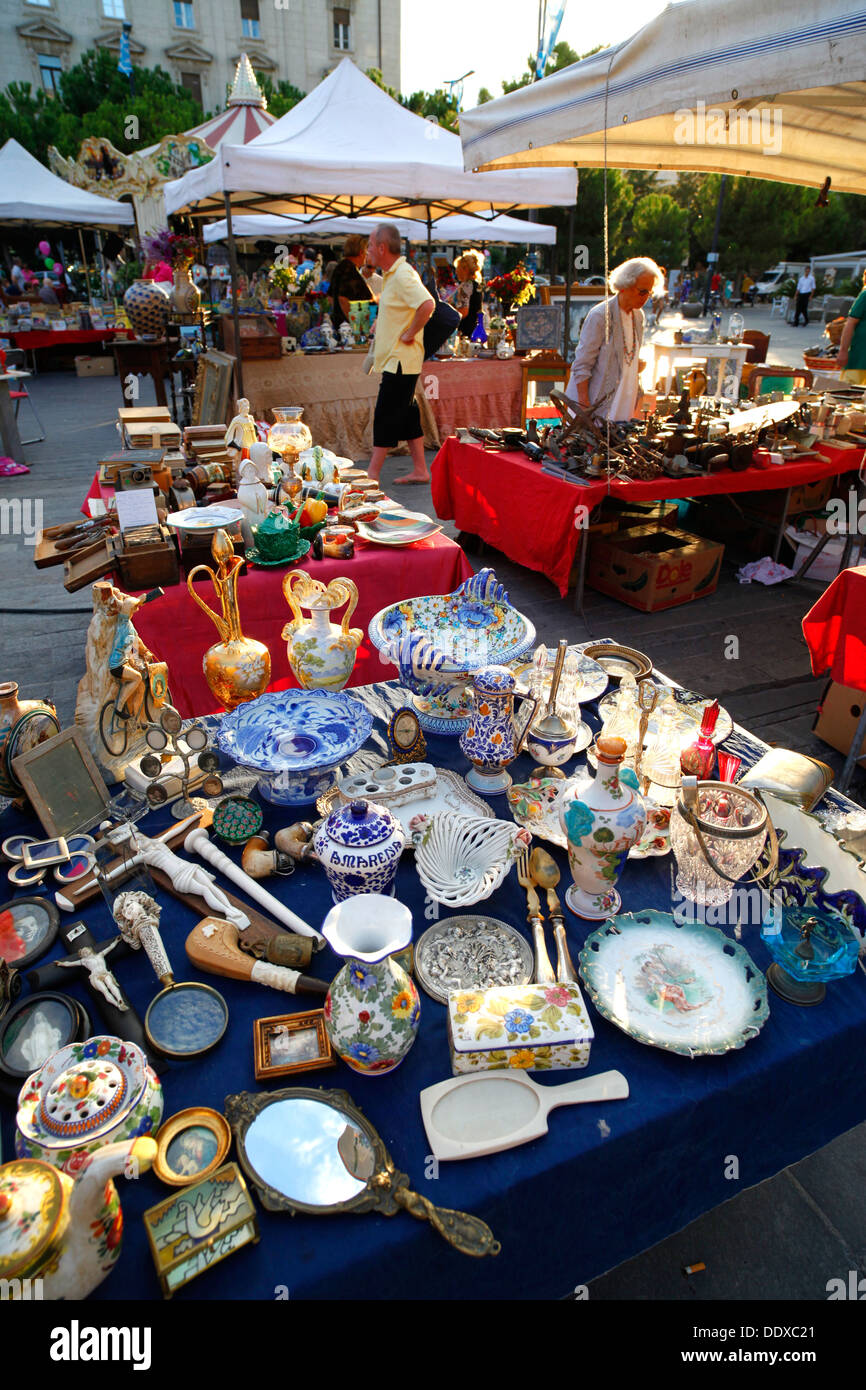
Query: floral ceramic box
534	1027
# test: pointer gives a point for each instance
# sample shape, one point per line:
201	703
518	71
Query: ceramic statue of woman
252	499
241	431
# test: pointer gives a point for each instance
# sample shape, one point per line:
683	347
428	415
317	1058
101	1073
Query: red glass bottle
699	758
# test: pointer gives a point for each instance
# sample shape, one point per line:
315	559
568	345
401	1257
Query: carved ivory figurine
137	917
186	877
241	431
100	976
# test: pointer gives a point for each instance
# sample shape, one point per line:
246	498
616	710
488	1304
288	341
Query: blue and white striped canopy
775	89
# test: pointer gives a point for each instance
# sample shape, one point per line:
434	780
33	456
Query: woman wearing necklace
604	373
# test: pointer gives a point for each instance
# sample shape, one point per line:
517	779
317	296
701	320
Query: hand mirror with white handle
469	1116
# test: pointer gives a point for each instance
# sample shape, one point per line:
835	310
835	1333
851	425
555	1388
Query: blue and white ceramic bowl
295	739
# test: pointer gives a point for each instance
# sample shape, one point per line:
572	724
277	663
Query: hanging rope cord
607	256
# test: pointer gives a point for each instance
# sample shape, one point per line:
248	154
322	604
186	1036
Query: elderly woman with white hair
604	373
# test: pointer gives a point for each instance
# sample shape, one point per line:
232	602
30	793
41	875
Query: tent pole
715	246
86	270
569	271
430	246
233	267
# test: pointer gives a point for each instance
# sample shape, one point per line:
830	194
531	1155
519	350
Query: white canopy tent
460	228
31	193
775	90
348	149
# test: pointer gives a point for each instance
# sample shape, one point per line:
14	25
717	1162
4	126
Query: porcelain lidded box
85	1096
530	1027
360	847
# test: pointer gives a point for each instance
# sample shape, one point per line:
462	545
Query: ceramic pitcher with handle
494	736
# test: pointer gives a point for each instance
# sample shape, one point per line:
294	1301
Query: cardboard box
653	569
837	717
94	366
630	514
807	497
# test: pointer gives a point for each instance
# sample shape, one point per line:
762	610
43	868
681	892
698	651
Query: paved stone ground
783	1239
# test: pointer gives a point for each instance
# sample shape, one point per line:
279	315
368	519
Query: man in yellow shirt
404	308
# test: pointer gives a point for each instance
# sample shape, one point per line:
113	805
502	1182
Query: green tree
439	106
563	56
281	96
660	228
484	95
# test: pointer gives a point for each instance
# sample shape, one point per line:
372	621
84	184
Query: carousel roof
245	117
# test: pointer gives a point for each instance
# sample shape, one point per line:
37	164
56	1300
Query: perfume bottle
698	758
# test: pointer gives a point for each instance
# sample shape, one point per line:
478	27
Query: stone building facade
199	41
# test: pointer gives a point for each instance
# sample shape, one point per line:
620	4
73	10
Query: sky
495	37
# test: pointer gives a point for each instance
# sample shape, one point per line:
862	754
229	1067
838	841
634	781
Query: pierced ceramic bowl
438	641
295	739
463	859
86	1095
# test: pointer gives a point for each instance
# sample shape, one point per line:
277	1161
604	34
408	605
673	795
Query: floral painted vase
601	823
185	294
359	846
147	305
321	655
372	1009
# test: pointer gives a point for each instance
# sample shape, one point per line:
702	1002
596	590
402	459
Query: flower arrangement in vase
514	288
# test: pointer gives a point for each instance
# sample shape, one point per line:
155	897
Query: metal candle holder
191	746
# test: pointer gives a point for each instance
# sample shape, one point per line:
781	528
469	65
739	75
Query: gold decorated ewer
321	655
236	668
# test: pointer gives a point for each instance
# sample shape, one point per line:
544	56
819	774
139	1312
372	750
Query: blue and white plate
295	739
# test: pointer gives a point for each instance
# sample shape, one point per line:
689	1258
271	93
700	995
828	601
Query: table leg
580	582
9	426
156	370
783	520
853	756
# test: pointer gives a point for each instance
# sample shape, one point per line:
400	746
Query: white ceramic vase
372	1009
601	824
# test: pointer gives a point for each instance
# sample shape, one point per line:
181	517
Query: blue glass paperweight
808	948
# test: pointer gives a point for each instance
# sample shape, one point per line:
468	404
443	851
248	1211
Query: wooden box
110	465
259	336
146	566
86	569
152	434
45	552
838	716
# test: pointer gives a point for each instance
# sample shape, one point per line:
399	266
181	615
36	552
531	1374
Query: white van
769	283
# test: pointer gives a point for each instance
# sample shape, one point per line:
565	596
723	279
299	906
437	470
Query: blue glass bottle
479	332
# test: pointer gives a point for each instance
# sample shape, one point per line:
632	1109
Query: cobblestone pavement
782	1239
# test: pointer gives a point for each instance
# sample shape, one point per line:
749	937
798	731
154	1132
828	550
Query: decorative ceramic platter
593	678
535	806
471	952
449	792
478	616
685	988
397	527
205	518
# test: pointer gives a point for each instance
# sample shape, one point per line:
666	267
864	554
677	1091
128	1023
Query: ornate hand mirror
316	1152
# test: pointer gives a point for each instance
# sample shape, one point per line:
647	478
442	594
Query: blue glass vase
479	332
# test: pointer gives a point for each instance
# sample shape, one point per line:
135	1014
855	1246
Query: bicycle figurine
142	681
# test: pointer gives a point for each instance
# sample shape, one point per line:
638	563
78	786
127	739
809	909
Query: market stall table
608	1181
835	633
34	340
517	508
338	396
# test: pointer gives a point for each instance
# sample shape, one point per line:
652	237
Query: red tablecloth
529	515
41	337
177	631
835	629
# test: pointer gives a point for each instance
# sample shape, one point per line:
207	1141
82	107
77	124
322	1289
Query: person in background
48	292
747	289
398	353
467	300
606	366
16	275
852	345
805	290
715	286
347	282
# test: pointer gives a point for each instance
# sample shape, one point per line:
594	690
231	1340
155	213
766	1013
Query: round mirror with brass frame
316	1152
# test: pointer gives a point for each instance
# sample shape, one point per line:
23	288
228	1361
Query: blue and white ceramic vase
372	1009
491	739
360	847
147	305
601	824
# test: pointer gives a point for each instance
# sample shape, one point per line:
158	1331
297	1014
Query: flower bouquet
514	288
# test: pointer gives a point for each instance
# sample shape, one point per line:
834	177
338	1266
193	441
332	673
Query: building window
192	82
51	71
43	4
183	15
250	19
113	9
342	29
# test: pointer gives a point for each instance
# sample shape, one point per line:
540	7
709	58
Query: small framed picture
190	1146
42	853
290	1043
63	783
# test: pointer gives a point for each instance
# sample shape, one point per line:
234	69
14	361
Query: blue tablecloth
607	1181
